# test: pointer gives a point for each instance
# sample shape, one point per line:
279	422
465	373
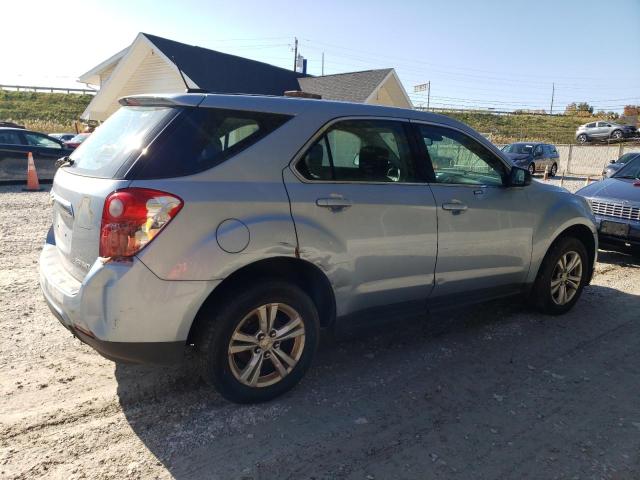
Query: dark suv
16	143
535	157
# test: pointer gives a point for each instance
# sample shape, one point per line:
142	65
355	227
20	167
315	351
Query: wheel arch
583	233
300	272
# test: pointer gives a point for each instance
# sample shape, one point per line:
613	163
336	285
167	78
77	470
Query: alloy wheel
617	135
566	278
266	345
532	169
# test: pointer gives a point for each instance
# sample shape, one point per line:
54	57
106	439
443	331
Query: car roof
289	106
22	130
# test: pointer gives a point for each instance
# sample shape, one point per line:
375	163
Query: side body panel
381	250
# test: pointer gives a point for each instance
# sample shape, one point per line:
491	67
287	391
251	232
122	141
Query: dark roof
220	72
350	87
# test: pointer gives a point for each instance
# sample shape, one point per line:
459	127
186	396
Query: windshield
630	170
117	140
627	156
521	148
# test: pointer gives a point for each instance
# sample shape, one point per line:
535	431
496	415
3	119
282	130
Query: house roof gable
241	75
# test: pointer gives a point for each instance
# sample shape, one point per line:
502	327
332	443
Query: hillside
557	129
45	112
49	112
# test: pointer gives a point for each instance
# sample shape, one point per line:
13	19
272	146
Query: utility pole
553	91
295	54
428	94
323	64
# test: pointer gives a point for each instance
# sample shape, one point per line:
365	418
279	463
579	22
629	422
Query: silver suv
240	225
603	131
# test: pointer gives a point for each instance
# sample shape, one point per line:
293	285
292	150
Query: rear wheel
260	343
562	277
554	169
532	168
582	138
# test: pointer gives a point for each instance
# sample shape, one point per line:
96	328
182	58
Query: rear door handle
454	207
334	203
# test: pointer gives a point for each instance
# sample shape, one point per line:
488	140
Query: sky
475	54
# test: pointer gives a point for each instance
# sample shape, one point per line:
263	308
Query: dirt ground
503	393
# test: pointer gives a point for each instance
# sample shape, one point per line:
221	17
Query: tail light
132	217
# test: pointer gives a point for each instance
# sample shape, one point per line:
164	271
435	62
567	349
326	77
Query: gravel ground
502	393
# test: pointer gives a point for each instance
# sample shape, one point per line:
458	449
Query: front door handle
454	207
334	203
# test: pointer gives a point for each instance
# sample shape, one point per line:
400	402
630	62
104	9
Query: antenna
184	80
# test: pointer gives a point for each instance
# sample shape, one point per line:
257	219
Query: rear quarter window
201	138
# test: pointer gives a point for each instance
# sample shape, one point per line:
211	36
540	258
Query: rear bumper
123	310
160	353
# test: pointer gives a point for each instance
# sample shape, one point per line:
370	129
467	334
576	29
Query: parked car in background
240	225
16	143
533	156
616	165
602	130
615	202
63	137
76	140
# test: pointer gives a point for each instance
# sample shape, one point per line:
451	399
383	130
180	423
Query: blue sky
500	54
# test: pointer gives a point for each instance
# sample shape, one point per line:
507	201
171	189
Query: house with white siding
154	64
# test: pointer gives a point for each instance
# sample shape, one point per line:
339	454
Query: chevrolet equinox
240	225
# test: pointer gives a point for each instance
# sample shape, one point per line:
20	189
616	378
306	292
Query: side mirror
612	161
519	177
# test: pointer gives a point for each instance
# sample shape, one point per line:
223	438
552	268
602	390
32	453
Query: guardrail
28	88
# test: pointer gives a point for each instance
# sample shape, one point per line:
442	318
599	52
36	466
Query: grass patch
44	112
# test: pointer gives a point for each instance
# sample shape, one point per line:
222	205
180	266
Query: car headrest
374	163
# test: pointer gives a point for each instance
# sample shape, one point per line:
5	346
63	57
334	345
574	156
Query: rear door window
201	138
10	138
369	151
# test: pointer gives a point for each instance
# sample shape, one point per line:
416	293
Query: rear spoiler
160	100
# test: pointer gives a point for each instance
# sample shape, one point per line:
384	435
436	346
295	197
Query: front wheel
532	168
554	169
562	276
617	135
260	343
582	138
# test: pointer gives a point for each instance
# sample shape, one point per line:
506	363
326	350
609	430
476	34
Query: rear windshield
201	138
122	137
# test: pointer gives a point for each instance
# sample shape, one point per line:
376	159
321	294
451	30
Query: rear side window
361	151
201	138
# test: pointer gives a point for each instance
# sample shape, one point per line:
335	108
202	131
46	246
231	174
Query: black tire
541	296
532	168
212	346
554	170
582	138
616	134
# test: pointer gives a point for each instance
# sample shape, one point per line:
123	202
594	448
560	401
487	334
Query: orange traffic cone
33	185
